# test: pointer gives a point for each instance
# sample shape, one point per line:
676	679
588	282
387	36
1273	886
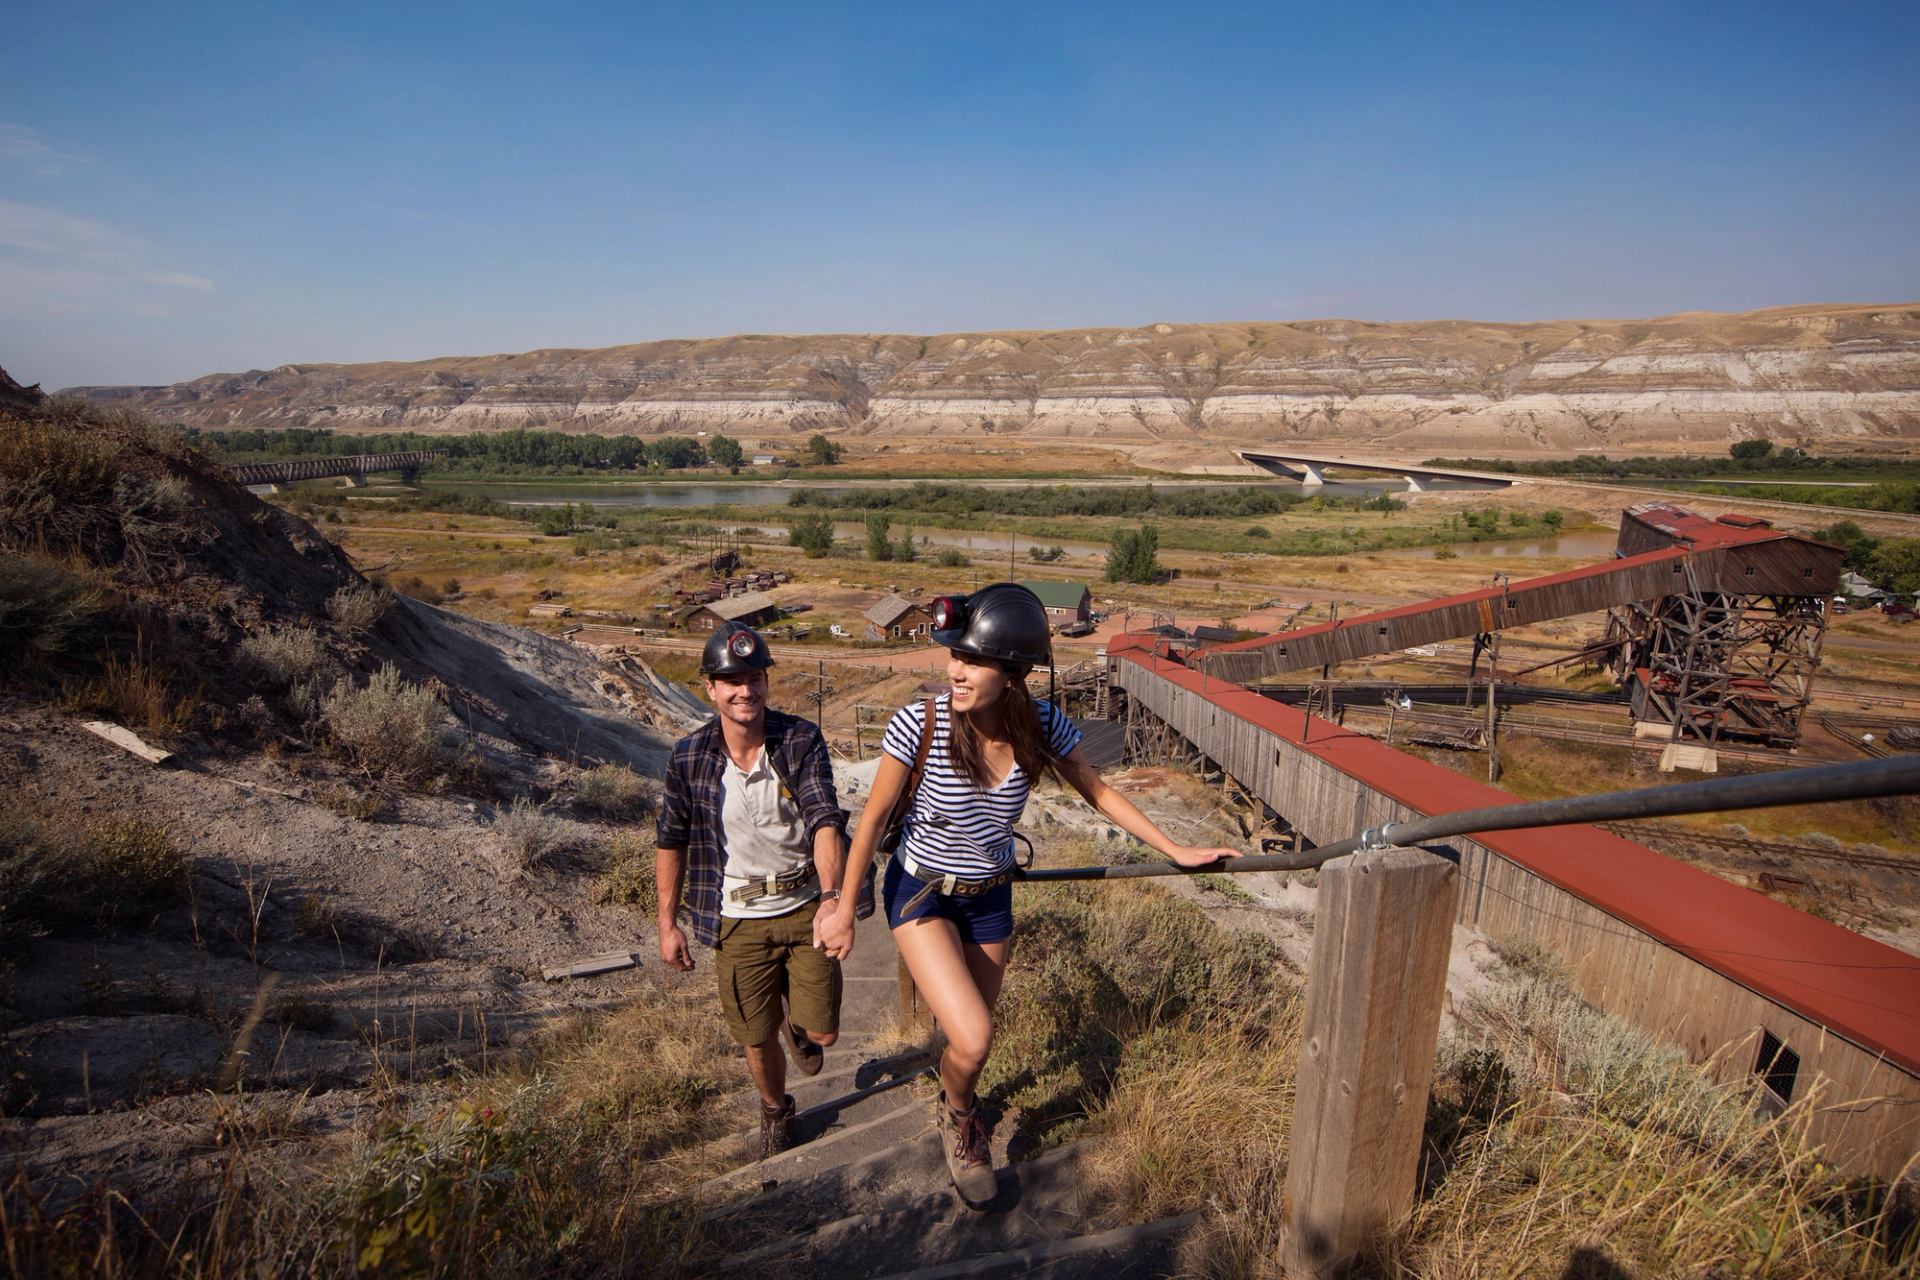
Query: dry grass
66	876
139	689
46	609
627	873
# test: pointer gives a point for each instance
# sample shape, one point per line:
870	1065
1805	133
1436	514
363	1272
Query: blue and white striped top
954	828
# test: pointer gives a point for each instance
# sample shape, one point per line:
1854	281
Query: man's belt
772	886
951	885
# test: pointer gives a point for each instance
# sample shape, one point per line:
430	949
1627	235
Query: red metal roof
1699	532
1858	988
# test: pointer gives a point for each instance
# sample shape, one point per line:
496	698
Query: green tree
1751	450
1859	543
904	550
556	522
726	453
1133	555
1896	567
822	452
879	537
812	534
1553	520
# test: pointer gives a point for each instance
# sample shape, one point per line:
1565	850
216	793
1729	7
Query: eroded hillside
1796	373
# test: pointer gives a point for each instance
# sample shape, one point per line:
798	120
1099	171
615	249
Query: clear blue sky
192	188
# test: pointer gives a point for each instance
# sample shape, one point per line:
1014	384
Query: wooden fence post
1375	989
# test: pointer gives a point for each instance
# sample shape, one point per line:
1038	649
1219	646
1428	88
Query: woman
948	889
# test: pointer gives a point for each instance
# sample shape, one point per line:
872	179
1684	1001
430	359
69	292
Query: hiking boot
807	1056
963	1137
776	1128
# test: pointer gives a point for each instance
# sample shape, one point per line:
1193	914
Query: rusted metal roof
1857	988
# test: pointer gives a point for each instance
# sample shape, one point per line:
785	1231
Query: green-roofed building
1066	602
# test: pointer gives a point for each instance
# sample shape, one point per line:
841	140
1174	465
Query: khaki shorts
761	960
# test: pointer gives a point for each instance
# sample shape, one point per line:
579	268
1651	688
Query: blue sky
234	186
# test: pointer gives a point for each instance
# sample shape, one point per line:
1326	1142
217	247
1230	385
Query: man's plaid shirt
690	814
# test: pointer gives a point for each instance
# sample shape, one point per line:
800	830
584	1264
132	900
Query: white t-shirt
763	835
954	828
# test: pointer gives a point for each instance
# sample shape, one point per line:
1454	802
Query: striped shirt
954	828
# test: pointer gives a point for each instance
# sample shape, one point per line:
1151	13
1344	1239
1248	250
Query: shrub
284	657
611	791
355	609
952	558
528	836
352	802
390	730
627	874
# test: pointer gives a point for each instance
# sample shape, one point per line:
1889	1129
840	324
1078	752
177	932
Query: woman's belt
951	885
772	886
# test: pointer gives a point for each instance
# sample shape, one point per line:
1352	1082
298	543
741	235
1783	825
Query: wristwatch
829	895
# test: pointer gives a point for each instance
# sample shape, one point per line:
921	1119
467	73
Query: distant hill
1698	379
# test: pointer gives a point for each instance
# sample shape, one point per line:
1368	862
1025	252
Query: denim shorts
986	918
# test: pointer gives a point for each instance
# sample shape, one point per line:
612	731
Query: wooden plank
1375	989
605	962
127	740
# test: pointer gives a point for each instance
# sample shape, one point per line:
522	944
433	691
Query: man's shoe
776	1128
964	1139
807	1056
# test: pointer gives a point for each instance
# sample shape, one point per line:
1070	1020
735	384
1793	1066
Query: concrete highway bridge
1311	468
356	468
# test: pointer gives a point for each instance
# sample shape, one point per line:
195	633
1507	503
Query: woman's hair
1020	718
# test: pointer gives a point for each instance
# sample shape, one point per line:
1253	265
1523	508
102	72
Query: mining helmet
734	650
1005	622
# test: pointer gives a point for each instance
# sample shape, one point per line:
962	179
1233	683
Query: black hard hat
734	650
1005	622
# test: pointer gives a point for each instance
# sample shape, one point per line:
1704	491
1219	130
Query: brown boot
776	1128
963	1136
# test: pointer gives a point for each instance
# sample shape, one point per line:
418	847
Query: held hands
833	933
1188	855
673	948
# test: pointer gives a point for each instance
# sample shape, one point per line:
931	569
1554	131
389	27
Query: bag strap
905	801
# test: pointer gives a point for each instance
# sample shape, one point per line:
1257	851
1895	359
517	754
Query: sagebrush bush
284	657
611	791
528	836
391	731
356	609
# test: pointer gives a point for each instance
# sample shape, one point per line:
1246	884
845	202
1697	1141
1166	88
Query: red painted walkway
1861	989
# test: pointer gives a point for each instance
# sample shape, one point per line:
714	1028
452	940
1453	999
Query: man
752	824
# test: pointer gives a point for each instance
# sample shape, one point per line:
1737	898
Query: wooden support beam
1375	989
913	1012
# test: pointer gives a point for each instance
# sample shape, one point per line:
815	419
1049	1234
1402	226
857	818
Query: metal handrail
1864	780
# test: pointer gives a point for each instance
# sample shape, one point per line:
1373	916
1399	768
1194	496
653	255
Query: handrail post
1375	990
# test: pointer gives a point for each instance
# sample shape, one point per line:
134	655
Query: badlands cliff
1694	380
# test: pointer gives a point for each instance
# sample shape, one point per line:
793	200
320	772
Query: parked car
1898	610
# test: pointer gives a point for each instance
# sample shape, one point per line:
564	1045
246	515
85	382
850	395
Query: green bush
952	558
